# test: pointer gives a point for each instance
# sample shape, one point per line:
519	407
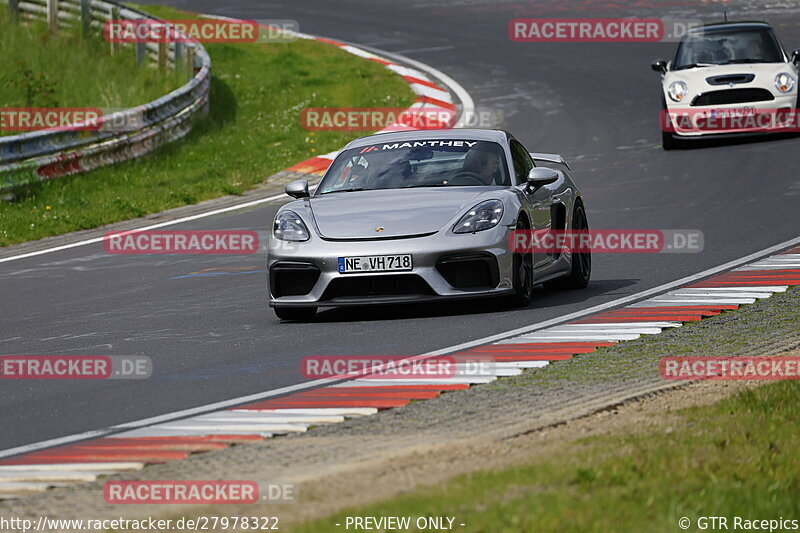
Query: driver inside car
483	165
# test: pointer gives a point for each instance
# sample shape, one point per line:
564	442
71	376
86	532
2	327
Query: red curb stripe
533	357
644	318
436	102
764	283
57	456
408	395
135	444
791	251
27	460
315	164
412	79
290	403
329	41
491	352
379	60
192	438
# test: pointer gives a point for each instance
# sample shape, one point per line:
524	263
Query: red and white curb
431	97
86	460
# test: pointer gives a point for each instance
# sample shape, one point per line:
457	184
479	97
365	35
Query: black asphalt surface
212	337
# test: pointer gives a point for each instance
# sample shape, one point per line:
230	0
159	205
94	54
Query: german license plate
375	263
745	111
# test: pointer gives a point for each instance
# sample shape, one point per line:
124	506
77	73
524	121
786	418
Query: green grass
39	69
735	458
252	131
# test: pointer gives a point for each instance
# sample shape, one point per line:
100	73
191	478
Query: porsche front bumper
445	266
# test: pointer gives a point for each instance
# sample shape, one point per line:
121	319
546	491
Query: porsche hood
391	213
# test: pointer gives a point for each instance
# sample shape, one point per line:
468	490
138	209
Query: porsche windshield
728	46
424	163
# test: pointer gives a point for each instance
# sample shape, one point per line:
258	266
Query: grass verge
732	459
253	130
40	69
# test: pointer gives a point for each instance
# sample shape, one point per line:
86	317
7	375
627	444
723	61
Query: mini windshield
728	46
425	163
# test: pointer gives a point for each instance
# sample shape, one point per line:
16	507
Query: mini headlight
677	91
288	226
483	216
784	82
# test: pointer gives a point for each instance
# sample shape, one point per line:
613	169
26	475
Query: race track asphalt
212	337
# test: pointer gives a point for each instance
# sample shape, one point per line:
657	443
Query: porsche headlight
483	216
784	82
288	226
677	91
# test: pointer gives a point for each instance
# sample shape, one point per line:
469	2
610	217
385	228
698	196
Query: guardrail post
162	55
190	61
114	15
178	51
52	15
13	10
140	49
86	16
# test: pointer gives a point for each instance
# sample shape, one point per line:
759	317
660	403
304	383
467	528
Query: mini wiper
733	61
693	65
352	189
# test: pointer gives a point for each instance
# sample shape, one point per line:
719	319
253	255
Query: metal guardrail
42	155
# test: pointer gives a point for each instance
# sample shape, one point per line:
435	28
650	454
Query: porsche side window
522	161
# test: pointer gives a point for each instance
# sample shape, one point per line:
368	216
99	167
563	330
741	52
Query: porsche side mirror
297	189
539	176
795	55
659	65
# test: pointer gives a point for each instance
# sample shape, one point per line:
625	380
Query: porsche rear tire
581	268
296	314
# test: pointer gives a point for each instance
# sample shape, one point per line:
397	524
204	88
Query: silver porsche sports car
424	215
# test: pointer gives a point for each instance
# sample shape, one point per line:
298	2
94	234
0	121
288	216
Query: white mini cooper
727	78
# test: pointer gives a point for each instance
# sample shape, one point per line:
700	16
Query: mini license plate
734	112
375	263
